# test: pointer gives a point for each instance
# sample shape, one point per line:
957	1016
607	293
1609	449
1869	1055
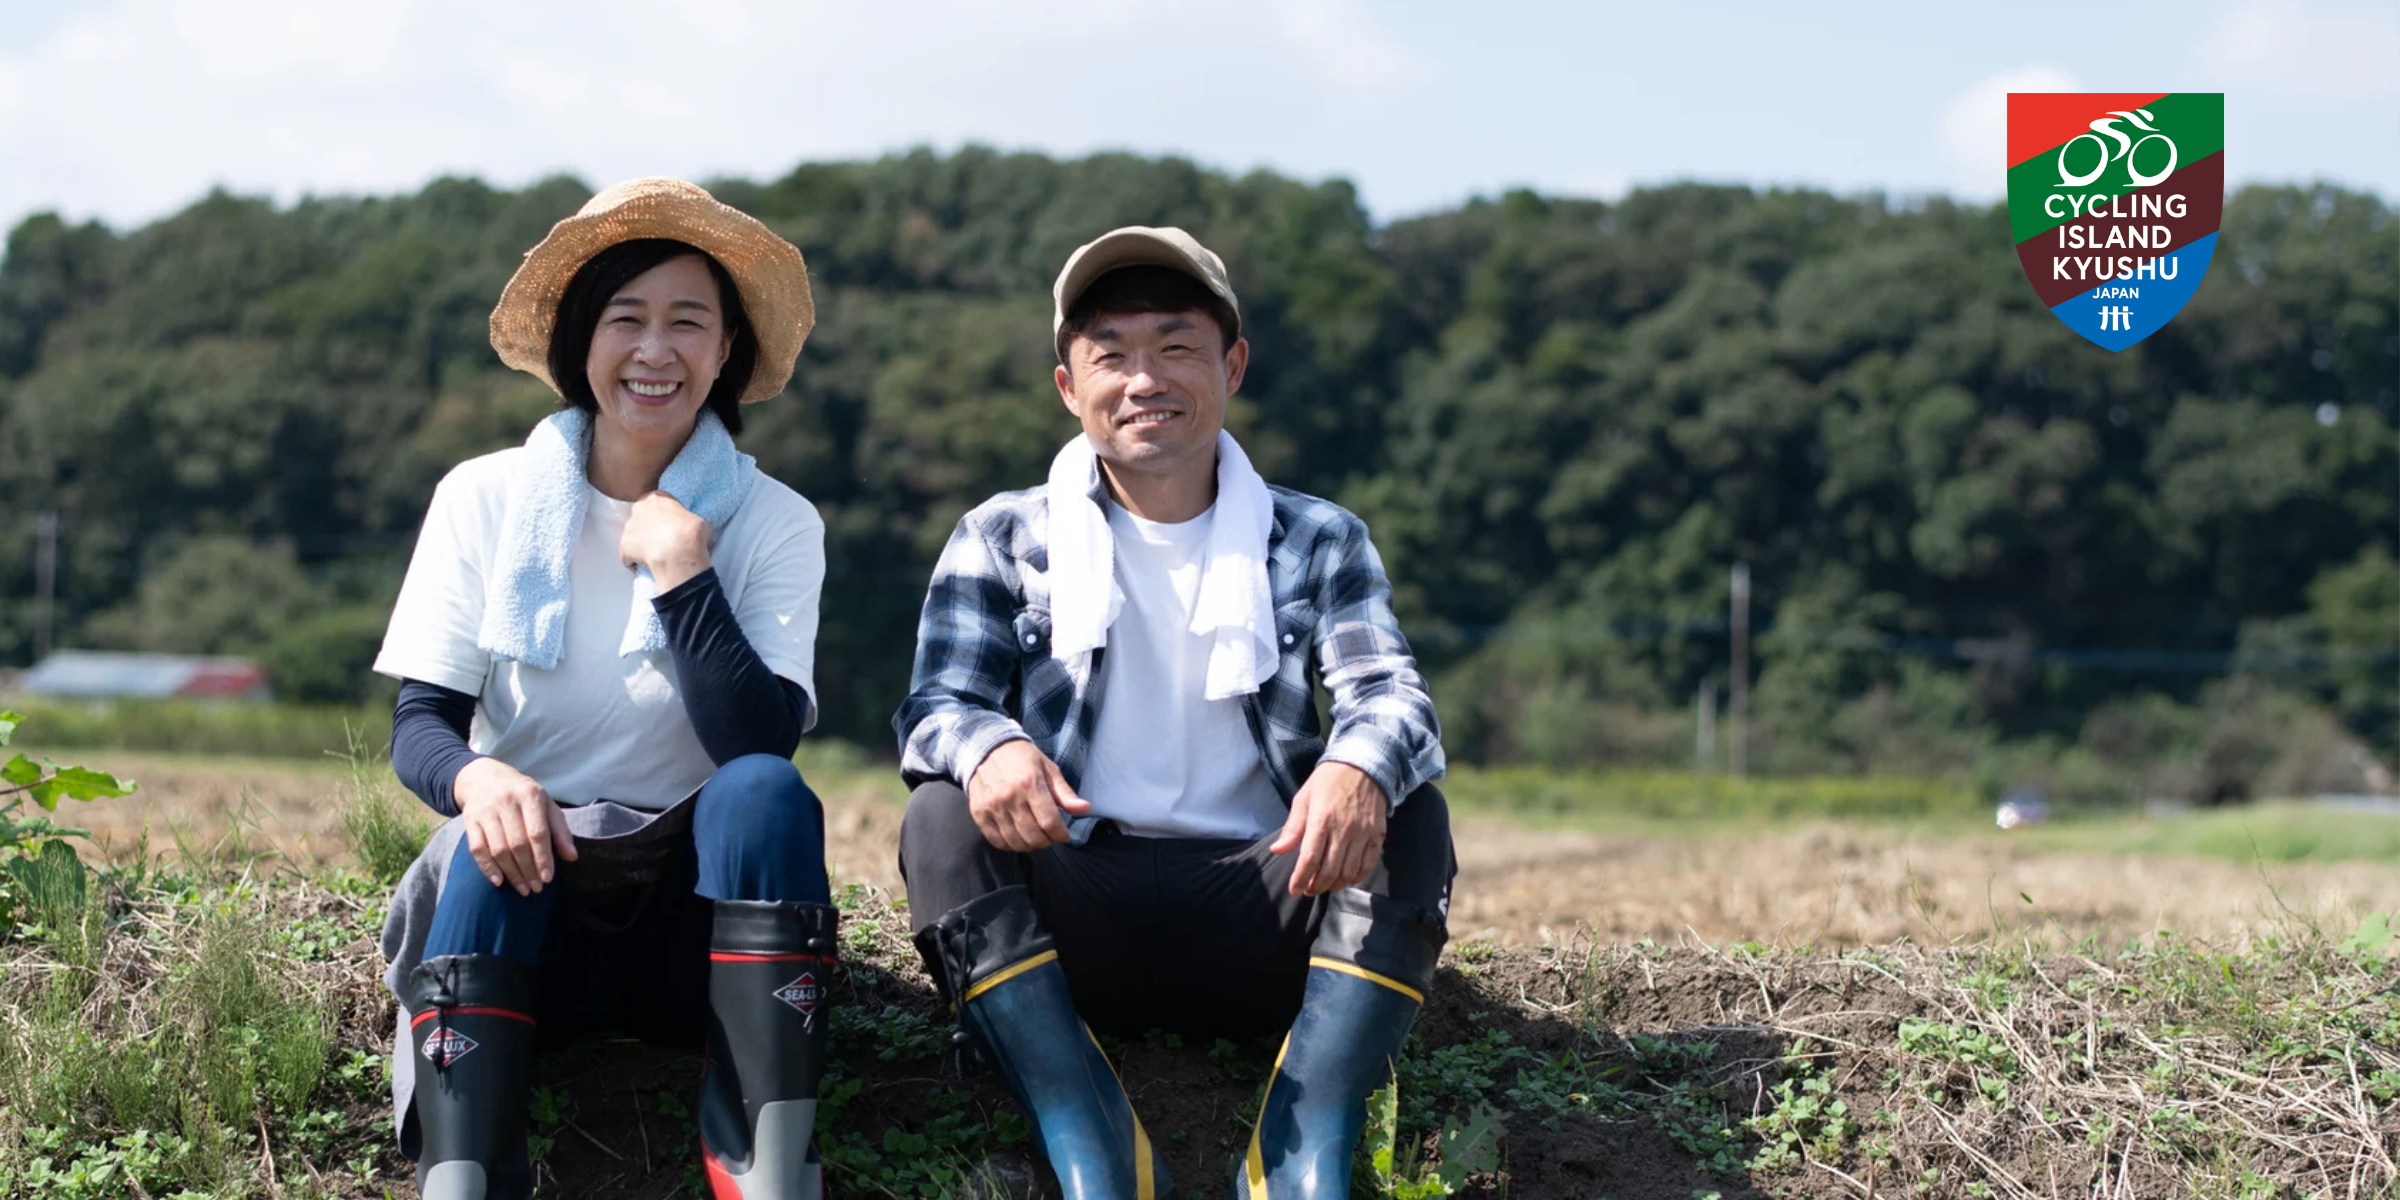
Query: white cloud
94	40
1973	133
129	109
2313	51
723	22
1597	184
138	106
544	86
264	37
1341	40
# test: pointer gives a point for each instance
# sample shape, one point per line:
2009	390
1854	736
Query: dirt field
1831	885
1875	1061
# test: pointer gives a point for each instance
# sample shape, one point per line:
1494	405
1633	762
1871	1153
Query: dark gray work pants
1200	937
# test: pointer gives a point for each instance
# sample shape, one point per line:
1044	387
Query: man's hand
513	826
1337	824
663	535
1015	797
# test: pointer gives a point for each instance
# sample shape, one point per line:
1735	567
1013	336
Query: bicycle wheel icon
2068	178
2133	154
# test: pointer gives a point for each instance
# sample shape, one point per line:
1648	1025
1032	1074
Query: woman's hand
513	826
663	535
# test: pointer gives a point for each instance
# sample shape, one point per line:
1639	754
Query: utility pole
45	582
1704	751
1740	714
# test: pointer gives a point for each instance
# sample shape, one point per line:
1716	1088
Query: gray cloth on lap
616	845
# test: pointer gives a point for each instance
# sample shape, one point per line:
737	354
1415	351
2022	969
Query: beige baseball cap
1140	246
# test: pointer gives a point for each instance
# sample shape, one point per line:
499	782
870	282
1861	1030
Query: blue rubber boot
1013	998
1367	976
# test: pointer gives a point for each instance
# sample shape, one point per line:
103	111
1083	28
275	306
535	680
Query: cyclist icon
2126	147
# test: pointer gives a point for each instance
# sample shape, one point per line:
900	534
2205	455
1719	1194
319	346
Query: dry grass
2169	1068
1824	1011
1640	1071
1826	884
212	1031
1844	885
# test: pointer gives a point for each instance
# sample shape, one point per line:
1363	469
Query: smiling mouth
652	392
1139	420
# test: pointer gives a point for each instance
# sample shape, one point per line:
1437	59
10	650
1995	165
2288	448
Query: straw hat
766	270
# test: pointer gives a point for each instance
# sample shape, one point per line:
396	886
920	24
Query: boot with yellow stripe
1003	970
1367	976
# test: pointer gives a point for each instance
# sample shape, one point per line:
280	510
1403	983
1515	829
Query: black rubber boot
995	961
770	971
1367	977
471	1026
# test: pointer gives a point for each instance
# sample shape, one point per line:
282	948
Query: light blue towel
525	591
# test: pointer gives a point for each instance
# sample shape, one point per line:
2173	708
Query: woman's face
658	348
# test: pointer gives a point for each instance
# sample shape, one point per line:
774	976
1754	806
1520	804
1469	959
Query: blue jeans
758	831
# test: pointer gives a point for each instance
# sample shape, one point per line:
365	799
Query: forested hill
1565	419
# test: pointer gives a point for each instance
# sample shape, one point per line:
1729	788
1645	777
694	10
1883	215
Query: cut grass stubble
185	1021
216	1029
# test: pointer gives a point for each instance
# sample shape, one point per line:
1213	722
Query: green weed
1448	1079
42	881
1693	1116
1985	1059
1807	1119
1466	1145
1550	1089
2373	938
57	1165
223	1043
385	831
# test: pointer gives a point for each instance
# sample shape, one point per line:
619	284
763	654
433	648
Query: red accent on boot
720	1181
468	1011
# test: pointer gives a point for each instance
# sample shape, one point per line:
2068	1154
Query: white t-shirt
597	726
1167	761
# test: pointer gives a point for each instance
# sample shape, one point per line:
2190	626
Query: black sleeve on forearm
735	703
429	741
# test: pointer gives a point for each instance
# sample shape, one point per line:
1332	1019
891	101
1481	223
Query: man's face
1150	389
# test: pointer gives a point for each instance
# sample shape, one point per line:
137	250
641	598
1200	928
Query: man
1124	811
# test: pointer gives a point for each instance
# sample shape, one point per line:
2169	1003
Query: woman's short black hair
588	294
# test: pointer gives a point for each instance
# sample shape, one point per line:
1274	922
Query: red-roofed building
113	675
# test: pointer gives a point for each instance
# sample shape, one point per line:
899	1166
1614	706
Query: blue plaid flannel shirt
984	673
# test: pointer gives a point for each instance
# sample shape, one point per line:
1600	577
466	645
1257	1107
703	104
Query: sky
127	110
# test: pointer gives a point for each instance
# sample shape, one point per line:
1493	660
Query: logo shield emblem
2114	199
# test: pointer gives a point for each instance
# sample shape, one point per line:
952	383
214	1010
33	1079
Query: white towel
525	592
1234	605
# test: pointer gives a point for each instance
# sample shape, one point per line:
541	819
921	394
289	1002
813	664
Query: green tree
1565	420
211	595
2357	605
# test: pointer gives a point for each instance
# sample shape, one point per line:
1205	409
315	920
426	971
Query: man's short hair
1144	289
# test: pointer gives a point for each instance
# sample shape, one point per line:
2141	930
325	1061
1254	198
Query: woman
605	643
